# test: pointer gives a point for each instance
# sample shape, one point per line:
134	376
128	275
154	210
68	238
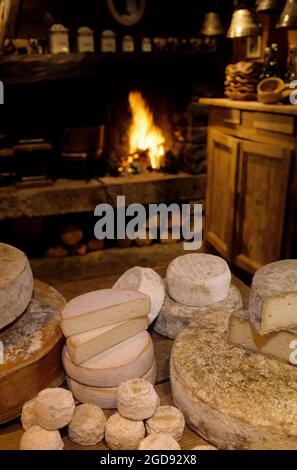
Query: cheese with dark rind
278	344
16	284
198	279
125	361
273	297
233	398
174	317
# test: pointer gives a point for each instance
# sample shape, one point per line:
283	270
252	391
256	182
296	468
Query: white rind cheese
198	280
37	438
233	398
123	434
167	419
102	308
54	408
281	345
105	398
147	281
28	418
83	347
127	360
174	317
16	284
160	441
273	297
137	399
87	427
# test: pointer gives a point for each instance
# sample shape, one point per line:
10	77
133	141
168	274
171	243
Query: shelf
71	196
31	69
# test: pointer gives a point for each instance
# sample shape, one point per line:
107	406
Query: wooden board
32	352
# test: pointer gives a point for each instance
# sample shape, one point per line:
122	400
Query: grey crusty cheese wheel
16	283
233	398
198	279
174	317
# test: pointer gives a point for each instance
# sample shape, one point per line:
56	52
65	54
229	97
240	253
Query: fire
144	135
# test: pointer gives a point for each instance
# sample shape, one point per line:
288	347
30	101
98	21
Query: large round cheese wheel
148	282
198	279
105	398
125	361
174	317
233	398
16	283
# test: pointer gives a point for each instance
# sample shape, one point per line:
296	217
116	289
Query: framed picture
127	12
254	47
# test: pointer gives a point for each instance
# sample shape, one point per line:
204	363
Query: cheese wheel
105	398
147	281
198	279
83	347
28	418
102	308
87	426
273	297
16	283
160	441
54	408
167	419
37	438
123	434
174	317
137	399
233	398
128	360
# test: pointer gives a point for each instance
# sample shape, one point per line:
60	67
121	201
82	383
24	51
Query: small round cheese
206	447
137	399
37	438
127	360
28	417
148	282
87	426
123	434
168	420
160	441
103	397
198	279
54	408
16	283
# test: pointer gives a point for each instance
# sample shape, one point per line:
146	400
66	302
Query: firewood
56	252
80	249
71	235
95	245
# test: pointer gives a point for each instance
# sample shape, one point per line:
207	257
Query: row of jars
59	42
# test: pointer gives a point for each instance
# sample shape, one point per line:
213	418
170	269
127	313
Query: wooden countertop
11	433
250	106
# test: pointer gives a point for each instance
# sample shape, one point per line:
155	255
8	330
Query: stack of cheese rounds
107	342
197	284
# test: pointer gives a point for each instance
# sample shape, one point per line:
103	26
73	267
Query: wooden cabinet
247	189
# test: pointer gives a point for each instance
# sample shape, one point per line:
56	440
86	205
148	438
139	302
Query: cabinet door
262	187
223	154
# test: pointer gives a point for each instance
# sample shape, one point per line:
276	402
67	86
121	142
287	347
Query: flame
144	134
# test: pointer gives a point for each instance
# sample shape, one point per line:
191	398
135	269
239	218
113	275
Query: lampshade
288	17
243	24
212	25
270	6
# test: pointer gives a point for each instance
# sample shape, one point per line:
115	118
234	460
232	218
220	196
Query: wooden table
11	433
